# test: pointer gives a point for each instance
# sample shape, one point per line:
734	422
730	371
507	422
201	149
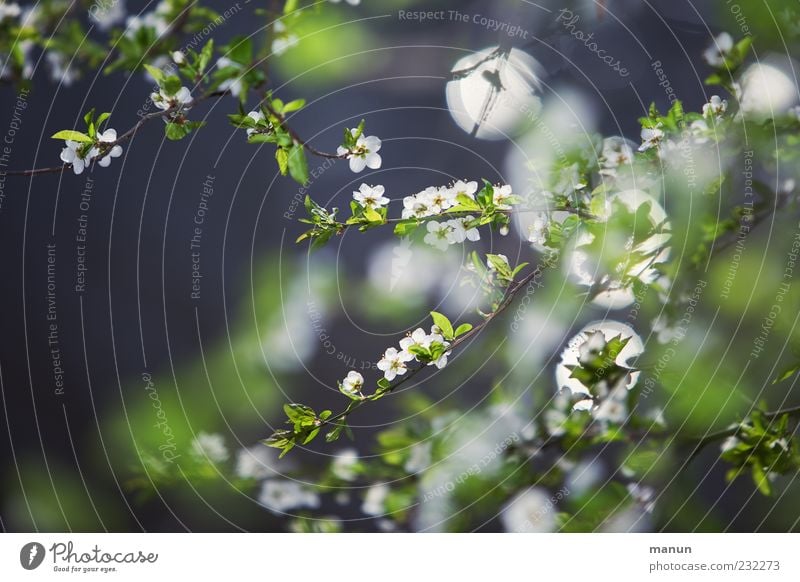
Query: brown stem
296	137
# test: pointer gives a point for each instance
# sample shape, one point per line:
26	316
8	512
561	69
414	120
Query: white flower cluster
281	495
435	200
364	154
610	402
157	20
394	362
617	152
443	234
77	154
107	14
210	446
284	40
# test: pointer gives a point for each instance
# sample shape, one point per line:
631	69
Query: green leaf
205	56
172	85
501	266
177	131
443	324
372	216
787	373
290	6
311	436
462	329
406	227
72	136
156	73
298	412
298	165
295	105
282	158
760	479
102	118
336	432
240	50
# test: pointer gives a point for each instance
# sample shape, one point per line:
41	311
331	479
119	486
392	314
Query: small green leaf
298	165
787	373
443	324
282	158
156	73
406	227
372	216
462	329
295	105
72	136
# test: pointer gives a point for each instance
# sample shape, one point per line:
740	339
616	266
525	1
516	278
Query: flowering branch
426	349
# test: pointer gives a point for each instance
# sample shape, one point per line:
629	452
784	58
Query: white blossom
157	20
424	340
374	499
768	88
254	463
364	154
109	136
350	2
344	463
590	349
181	99
719	49
178	57
78	155
642	495
370	196
501	197
352	383
210	446
393	363
617	151
459	231
651	137
538	228
419	459
283	40
258	117
468	189
60	70
531	511
437	236
279	495
665	332
715	107
107	14
440	198
9	10
417	338
417	206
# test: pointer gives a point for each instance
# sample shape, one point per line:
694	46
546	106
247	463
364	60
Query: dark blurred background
224	362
